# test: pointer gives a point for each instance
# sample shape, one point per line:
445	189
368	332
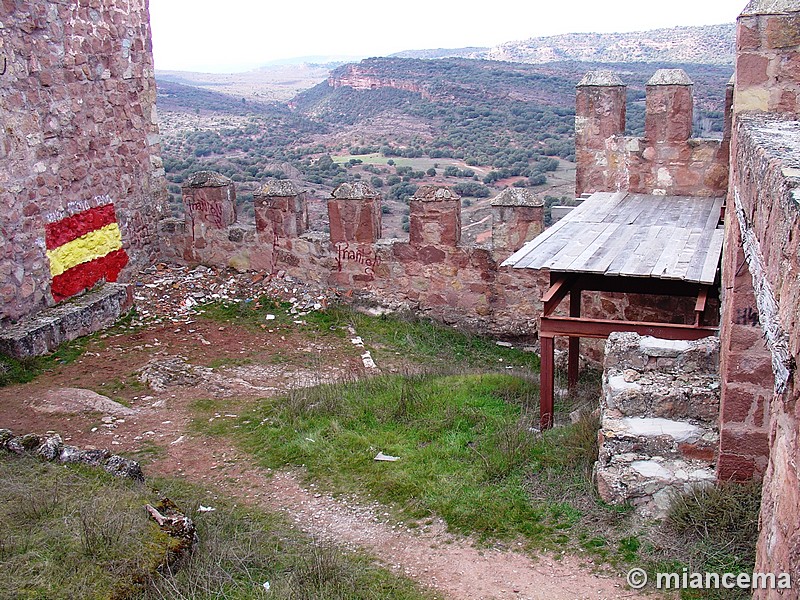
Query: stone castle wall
432	273
766	218
665	161
760	428
82	182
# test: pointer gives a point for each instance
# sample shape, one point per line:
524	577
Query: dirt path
449	564
446	563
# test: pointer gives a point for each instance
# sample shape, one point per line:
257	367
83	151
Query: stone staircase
660	411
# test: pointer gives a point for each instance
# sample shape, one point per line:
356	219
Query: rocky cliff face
360	77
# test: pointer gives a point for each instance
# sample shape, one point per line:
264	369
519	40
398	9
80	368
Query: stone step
642	437
651	485
662	395
43	332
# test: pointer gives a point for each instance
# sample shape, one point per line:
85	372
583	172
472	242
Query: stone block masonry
761	424
432	273
660	408
665	161
81	183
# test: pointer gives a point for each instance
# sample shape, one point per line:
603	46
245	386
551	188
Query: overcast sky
237	35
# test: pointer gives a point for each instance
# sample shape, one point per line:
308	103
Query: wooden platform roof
632	235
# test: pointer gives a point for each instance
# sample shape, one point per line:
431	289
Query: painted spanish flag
84	249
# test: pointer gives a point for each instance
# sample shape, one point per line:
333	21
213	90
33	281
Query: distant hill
434	53
708	44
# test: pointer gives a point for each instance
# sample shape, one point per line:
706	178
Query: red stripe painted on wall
71	228
86	274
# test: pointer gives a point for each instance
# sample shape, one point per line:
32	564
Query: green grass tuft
13	370
469	452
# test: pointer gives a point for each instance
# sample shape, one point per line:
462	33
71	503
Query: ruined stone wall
665	161
432	272
81	183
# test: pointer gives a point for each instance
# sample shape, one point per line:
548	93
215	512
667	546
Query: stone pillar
768	57
599	115
435	217
354	212
518	217
210	202
280	210
668	108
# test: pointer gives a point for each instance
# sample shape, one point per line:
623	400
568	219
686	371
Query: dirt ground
152	425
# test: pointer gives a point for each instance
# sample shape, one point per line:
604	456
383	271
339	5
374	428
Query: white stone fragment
650	427
657	347
651	469
616	385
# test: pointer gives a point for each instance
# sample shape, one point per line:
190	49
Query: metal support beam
602	328
557	292
546	382
574	342
700	305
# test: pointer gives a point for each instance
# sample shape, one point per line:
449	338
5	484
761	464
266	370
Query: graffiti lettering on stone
346	254
211	212
747	316
3	65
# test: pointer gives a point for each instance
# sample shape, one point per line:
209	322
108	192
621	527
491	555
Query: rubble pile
175	293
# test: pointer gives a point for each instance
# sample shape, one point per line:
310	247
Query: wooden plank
517	260
661	236
709	271
626	212
585	212
685	256
605	255
639	237
636	265
579	264
664	266
698	261
575	245
600	213
551	246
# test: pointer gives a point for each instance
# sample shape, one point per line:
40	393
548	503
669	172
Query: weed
723	520
76	532
241	549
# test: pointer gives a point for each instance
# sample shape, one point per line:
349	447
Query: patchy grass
250	313
13	371
80	533
468	454
710	529
422	340
415	339
241	549
73	532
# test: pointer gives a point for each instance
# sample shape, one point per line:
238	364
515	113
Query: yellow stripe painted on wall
90	246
